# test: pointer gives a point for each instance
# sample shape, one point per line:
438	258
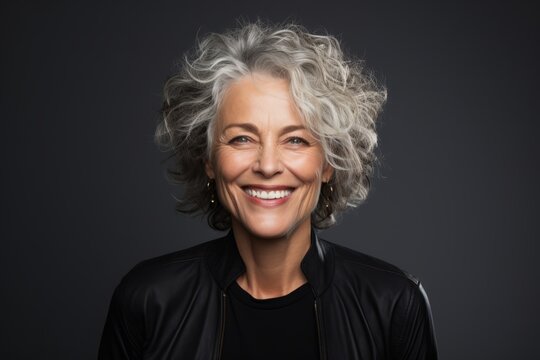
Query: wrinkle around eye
302	140
234	140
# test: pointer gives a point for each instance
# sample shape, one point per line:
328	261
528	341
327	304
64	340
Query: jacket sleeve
123	333
413	335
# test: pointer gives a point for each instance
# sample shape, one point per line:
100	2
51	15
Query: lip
268	202
268	187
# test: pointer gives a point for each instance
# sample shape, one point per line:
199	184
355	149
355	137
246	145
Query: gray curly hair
337	98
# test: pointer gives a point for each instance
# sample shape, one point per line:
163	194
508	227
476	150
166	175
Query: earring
327	192
210	187
330	195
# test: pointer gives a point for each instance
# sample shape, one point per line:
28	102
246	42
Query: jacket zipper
321	340
222	325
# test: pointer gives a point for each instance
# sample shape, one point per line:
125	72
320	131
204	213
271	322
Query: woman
273	133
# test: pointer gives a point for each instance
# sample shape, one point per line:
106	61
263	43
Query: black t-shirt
278	328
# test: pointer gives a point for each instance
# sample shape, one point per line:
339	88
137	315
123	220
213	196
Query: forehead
259	99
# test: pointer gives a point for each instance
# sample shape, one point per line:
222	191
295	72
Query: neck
272	264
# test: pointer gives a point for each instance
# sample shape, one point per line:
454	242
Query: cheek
231	164
305	166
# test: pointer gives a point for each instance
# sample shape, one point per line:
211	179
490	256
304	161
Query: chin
270	231
267	229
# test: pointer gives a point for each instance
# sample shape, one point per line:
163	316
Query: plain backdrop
454	198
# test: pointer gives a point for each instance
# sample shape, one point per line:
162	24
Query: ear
209	169
328	171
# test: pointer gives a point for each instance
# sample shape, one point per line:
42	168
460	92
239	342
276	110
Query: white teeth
261	194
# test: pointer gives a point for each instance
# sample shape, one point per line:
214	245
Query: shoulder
363	270
182	267
384	292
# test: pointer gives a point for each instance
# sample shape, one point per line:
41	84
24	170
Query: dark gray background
84	196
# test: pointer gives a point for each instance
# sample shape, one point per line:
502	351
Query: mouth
268	193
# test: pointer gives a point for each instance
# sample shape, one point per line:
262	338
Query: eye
297	141
242	139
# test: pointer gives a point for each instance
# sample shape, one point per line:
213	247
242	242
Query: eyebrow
252	128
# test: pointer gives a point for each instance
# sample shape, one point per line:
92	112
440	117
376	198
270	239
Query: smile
268	195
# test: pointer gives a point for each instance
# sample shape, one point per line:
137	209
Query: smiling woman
277	152
272	130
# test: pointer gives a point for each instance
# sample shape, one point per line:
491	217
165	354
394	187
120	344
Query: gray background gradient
84	198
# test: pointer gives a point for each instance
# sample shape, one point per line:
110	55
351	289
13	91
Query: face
267	165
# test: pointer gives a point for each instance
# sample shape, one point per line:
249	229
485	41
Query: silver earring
210	188
327	192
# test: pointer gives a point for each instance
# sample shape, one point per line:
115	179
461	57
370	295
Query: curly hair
338	99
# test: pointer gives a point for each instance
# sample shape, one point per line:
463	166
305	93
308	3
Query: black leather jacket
173	306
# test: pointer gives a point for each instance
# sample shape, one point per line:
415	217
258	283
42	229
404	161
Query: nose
268	161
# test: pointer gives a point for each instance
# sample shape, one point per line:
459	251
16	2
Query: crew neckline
270	303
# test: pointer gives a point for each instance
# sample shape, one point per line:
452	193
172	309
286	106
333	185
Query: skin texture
272	240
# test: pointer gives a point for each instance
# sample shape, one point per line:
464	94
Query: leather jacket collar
226	264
